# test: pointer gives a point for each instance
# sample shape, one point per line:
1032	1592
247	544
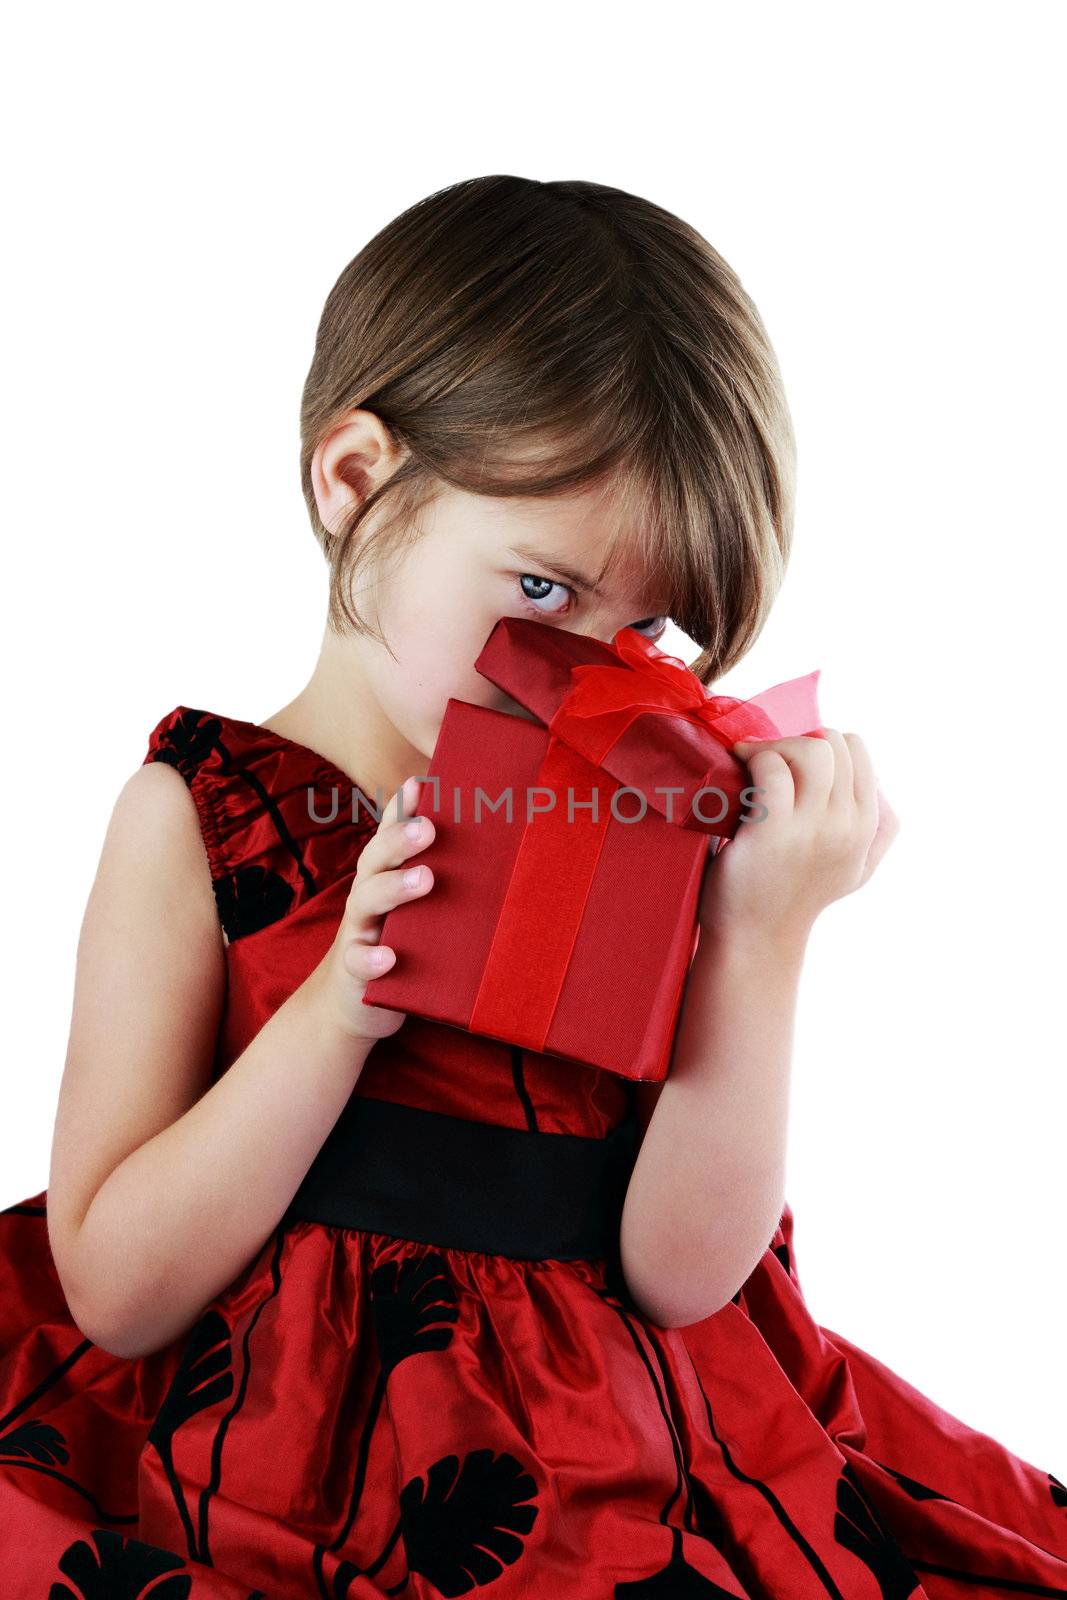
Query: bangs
672	520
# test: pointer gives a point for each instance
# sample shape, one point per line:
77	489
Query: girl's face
477	559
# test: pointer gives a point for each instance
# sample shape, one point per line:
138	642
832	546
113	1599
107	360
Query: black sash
466	1185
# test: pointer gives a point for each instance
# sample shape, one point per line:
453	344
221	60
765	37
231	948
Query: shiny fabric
361	1414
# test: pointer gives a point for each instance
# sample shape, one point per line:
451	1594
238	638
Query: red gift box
565	920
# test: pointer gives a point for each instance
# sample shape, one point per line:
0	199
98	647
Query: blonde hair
526	338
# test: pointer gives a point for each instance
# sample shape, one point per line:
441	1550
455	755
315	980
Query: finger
772	777
841	797
381	848
399	842
380	894
810	761
864	782
402	804
885	833
888	821
366	961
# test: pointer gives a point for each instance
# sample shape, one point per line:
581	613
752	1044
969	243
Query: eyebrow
528	553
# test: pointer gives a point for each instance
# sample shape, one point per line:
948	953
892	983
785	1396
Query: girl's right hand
356	955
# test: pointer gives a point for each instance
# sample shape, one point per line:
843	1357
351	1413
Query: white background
184	187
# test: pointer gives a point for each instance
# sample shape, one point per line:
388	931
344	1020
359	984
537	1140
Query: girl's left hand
827	827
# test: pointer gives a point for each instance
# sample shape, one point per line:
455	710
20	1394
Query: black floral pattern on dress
204	1377
188	742
39	1446
413	1303
120	1568
463	1525
251	897
34	1440
676	1581
857	1528
460	1528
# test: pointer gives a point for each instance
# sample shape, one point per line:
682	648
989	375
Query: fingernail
413	878
377	958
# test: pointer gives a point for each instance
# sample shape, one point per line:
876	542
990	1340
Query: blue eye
542	588
535	589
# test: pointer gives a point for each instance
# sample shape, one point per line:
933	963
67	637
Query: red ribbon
602	702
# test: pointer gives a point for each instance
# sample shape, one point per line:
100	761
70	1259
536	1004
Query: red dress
431	1377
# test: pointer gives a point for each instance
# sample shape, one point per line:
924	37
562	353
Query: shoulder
154	813
201	747
191	740
190	744
154	846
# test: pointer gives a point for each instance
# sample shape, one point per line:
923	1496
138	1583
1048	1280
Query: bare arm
708	1186
707	1189
162	1188
185	1212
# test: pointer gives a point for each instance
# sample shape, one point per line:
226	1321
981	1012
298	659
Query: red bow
602	702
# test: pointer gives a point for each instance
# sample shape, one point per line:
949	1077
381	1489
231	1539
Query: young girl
312	1309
